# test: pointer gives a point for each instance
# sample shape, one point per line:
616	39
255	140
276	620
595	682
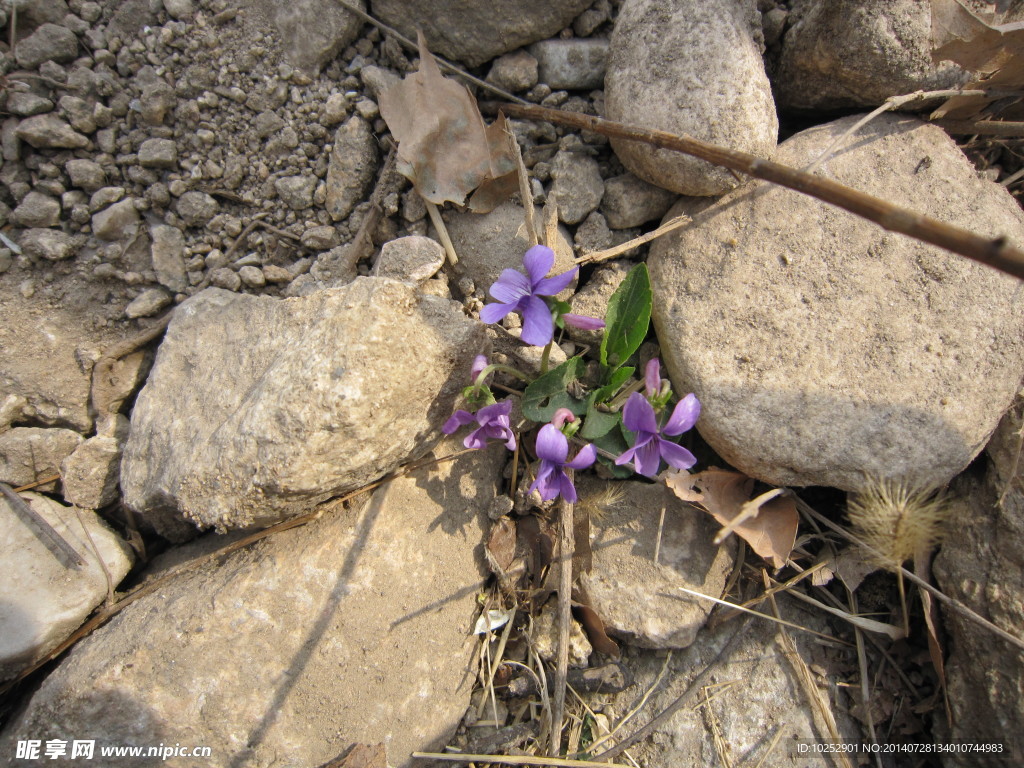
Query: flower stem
545	357
499	367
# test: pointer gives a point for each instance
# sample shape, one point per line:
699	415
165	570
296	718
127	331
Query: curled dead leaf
444	147
768	524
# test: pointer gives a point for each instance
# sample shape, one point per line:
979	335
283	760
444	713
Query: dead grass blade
868	625
820	707
955	605
760	615
610	253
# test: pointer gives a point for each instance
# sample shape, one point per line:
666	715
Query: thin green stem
545	357
479	382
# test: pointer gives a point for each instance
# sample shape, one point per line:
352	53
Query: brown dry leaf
961	36
444	148
771	533
503	177
501	545
994	51
682	483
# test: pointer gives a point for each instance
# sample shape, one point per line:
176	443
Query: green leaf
548	393
597	423
628	317
617	378
614	443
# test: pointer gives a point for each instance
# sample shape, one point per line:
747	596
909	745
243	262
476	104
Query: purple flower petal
458	419
652	377
684	416
676	455
479	363
552	445
511	286
638	415
495	412
538	262
538	327
493	313
566	488
586	457
476	439
549	286
543	484
582	321
626	456
647	459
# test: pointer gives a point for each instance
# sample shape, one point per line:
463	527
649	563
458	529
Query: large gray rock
689	67
481	29
635	597
982	566
755	693
290	401
312	32
823	347
857	53
41	600
353	628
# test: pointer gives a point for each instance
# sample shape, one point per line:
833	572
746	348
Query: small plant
899	522
602	408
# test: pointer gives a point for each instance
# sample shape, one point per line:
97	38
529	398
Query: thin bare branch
997	253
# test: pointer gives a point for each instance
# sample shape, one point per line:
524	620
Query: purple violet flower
650	447
493	423
553	450
517	292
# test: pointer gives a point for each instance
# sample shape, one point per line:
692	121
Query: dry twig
997	253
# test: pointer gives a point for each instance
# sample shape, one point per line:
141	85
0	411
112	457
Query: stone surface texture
577	64
757	694
282	415
630	202
351	168
412	259
577	186
711	47
50	342
312	31
635	597
489	243
41	600
981	564
353	628
823	347
856	53
481	29
28	454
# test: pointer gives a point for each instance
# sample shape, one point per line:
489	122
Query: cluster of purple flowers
521	293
